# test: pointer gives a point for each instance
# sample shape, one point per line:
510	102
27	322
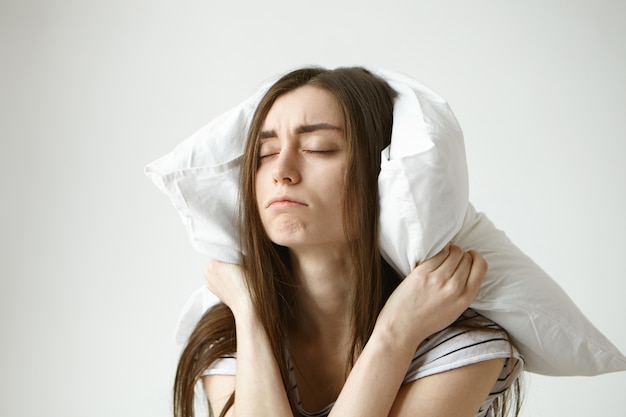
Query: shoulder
463	391
471	339
218	389
472	360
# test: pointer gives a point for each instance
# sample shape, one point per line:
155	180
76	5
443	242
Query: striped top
470	339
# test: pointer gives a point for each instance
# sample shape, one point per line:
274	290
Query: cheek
259	193
335	190
262	191
339	179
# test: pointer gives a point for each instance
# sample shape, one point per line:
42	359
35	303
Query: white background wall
95	264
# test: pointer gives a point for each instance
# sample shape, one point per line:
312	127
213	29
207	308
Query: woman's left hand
433	295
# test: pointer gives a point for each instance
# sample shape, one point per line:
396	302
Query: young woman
314	321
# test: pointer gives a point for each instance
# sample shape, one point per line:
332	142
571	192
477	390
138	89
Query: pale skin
298	186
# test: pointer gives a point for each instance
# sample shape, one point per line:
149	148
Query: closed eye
267	155
318	151
306	151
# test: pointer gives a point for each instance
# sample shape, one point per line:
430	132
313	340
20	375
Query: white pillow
424	204
545	325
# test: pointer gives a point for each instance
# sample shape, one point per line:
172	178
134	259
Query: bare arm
456	393
428	300
430	396
218	389
258	383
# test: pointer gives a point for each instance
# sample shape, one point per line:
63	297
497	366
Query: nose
286	170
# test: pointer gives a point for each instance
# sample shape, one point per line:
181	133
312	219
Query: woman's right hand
433	295
258	386
227	281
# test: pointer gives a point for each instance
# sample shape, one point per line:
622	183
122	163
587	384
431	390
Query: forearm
376	377
259	388
430	298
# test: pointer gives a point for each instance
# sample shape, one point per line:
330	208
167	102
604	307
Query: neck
322	299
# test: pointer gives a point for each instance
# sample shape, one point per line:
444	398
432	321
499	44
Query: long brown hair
366	102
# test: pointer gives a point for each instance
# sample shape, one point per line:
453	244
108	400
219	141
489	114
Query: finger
462	272
435	262
208	268
451	263
477	272
211	269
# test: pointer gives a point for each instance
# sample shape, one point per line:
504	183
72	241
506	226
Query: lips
284	201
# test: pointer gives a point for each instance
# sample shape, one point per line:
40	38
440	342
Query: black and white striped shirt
472	338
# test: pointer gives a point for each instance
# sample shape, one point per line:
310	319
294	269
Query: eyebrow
266	134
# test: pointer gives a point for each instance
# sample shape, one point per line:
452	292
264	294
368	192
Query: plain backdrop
95	263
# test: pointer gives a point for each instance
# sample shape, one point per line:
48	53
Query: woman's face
299	182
